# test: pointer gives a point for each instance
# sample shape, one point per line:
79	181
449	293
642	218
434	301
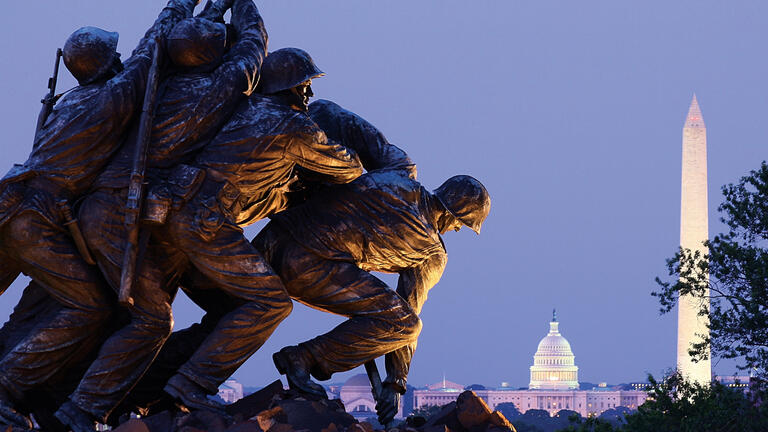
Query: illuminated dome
553	364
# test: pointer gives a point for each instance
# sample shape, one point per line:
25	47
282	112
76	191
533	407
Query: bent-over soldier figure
324	250
70	150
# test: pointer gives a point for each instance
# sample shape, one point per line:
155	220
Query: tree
509	410
591	424
675	404
615	416
735	270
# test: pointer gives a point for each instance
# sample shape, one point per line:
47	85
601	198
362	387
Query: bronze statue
249	161
342	127
193	102
70	150
225	139
324	249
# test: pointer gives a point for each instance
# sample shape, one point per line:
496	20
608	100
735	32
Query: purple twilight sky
571	113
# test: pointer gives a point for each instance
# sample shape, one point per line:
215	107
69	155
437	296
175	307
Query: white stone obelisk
694	230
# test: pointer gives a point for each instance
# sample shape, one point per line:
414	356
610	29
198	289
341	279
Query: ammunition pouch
157	205
171	193
217	202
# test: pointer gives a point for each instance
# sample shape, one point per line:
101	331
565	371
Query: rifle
376	387
136	185
50	99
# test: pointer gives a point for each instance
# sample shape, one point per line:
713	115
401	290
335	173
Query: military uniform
341	127
324	249
81	134
253	156
191	107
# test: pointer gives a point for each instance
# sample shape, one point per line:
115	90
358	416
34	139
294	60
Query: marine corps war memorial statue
138	183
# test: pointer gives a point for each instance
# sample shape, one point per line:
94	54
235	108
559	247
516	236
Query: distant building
231	391
743	382
553	364
357	398
553	386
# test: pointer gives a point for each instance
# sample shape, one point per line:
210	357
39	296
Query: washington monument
693	231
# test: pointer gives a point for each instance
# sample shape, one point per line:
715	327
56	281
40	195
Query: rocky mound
273	409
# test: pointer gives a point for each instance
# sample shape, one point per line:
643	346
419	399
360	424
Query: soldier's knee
414	327
285	306
97	315
21	231
158	324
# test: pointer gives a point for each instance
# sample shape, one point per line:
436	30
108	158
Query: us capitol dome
553	364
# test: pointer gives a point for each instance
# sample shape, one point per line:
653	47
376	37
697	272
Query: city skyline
569	113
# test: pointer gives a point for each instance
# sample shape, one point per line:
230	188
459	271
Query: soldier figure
341	127
70	149
192	103
323	250
220	155
247	166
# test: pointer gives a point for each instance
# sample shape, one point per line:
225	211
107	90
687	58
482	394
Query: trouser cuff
313	358
211	386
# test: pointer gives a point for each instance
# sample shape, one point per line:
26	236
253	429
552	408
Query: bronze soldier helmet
286	68
89	53
466	199
197	42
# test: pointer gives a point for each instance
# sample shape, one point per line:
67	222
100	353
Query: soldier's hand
387	404
226	4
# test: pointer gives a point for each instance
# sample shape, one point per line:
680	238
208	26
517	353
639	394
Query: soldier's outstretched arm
352	131
242	63
311	150
127	87
236	75
214	11
413	285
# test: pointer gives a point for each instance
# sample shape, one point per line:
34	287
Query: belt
226	194
50	186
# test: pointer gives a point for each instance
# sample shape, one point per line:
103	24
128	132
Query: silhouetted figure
341	127
254	155
70	150
205	84
323	251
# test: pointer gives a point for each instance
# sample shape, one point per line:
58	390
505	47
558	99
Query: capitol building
554	385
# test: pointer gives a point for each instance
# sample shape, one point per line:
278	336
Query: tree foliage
677	405
735	273
509	410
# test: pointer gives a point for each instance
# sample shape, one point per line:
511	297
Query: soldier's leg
235	267
380	321
9	271
46	253
34	305
148	394
127	353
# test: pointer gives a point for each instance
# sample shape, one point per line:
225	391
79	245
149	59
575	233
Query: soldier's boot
295	363
191	395
78	420
9	416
